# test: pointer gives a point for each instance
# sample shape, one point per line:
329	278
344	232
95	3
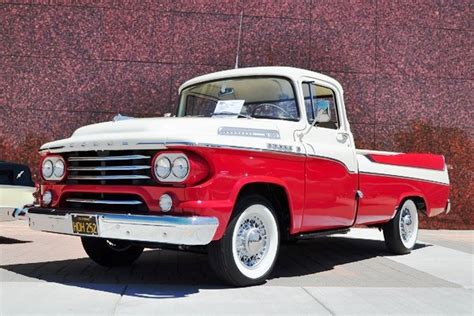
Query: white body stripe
367	166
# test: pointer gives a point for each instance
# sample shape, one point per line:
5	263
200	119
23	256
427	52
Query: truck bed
387	178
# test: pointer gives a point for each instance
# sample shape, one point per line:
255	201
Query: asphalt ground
43	273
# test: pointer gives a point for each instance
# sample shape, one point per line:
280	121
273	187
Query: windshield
262	97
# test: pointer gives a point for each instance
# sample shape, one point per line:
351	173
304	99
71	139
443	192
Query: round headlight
163	167
59	168
166	203
47	198
180	167
47	168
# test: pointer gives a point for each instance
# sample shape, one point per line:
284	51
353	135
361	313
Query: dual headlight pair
171	167
53	168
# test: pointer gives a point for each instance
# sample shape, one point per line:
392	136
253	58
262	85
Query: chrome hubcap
251	242
406	225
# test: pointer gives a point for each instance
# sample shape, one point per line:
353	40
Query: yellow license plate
84	225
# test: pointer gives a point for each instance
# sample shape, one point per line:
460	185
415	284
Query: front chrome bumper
177	230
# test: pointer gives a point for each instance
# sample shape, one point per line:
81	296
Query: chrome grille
104	202
109	158
101	201
110	167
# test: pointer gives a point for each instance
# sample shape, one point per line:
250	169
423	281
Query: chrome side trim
111	177
109	158
245	148
177	230
111	202
110	168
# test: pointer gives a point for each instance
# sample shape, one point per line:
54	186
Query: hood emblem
248	132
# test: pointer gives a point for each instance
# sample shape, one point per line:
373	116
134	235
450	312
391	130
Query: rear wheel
111	252
401	232
247	252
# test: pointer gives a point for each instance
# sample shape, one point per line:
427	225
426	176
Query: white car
16	189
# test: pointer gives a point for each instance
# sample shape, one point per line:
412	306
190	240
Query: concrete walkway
349	274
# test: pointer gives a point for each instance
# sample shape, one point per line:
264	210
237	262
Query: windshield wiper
227	113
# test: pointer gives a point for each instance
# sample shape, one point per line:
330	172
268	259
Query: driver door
331	178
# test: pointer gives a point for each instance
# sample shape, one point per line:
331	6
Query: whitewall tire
402	231
247	252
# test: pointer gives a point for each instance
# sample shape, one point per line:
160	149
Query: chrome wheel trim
255	241
251	241
408	224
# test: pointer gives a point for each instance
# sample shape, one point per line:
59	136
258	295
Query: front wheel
111	252
247	252
401	232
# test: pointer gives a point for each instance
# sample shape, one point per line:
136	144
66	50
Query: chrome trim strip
110	202
109	158
110	177
256	149
110	168
177	230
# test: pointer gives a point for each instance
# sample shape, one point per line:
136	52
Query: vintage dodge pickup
252	157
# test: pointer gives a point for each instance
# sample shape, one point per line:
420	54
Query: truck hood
158	133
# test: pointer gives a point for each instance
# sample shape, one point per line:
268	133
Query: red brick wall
406	66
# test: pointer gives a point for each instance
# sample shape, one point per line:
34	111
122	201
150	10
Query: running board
323	233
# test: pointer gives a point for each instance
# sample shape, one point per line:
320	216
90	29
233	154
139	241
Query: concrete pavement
347	274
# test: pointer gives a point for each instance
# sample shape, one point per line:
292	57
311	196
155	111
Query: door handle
342	137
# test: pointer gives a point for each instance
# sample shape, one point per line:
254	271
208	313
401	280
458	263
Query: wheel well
419	202
277	196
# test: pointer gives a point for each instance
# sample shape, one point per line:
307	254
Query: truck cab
251	157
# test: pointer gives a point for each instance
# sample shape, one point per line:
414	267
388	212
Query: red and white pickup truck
252	157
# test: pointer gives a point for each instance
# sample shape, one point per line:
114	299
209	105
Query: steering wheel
279	108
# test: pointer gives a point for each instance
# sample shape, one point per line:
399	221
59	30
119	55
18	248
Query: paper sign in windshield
227	107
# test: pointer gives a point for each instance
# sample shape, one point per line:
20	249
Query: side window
6	177
322	96
199	106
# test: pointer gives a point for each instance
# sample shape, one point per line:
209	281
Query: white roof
289	72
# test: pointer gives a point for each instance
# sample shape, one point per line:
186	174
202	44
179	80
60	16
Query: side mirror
323	113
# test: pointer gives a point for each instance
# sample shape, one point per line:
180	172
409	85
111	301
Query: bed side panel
385	186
